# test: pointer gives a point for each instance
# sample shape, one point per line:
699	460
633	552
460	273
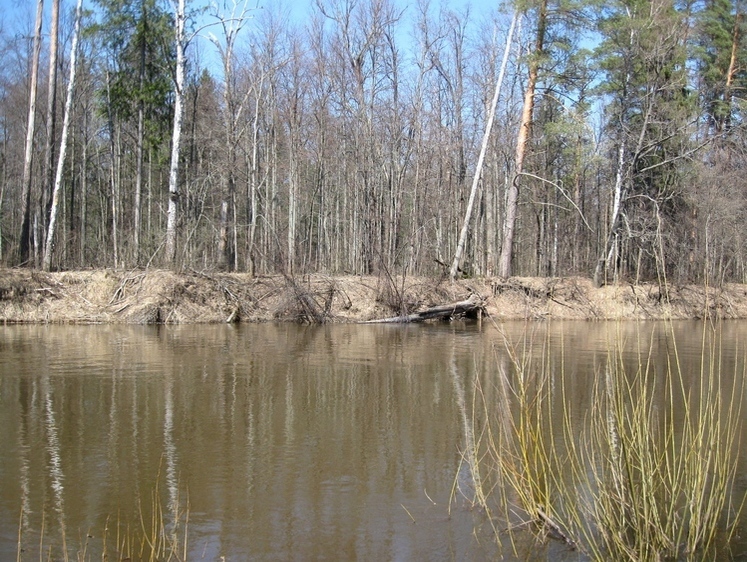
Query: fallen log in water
472	306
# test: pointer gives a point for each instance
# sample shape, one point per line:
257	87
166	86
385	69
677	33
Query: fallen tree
473	306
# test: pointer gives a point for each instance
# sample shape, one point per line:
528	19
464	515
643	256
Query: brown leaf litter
162	296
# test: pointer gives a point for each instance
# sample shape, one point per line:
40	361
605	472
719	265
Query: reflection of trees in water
283	426
169	451
24	455
54	456
470	448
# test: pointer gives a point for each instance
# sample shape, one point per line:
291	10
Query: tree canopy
348	141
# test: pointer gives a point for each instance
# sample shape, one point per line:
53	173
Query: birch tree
652	115
483	149
649	114
179	81
47	262
49	150
25	241
261	85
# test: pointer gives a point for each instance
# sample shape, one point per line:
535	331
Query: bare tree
179	80
49	150
47	262
231	23
522	141
25	242
483	150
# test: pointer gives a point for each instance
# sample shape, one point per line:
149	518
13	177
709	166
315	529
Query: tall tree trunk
223	241
25	242
292	210
232	24
45	200
611	246
71	251
171	216
84	191
254	183
3	184
140	149
139	156
227	213
736	41
600	271
483	150
522	141
113	179
47	262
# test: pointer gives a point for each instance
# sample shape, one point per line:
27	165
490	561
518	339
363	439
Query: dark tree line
348	142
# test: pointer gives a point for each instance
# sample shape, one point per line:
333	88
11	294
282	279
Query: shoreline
158	296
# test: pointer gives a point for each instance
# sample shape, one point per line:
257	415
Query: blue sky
17	16
300	8
11	10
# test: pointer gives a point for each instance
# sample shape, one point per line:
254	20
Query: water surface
272	441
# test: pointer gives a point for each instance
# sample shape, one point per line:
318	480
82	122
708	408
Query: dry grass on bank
162	296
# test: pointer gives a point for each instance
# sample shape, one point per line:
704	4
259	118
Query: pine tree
721	60
139	39
649	108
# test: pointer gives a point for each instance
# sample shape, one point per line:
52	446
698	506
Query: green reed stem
651	474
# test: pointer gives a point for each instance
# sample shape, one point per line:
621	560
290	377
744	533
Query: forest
552	138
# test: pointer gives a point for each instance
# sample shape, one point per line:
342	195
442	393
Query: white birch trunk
619	197
51	111
47	261
483	150
609	248
29	149
171	216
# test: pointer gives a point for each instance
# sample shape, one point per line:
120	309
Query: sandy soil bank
160	296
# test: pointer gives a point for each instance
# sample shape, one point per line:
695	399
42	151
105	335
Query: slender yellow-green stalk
650	473
156	541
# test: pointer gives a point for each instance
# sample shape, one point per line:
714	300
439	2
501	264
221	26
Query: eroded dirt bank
153	296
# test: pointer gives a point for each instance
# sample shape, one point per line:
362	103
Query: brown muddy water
275	442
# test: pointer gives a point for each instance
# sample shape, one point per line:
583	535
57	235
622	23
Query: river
276	441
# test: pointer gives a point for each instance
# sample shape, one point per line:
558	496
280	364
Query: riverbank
161	296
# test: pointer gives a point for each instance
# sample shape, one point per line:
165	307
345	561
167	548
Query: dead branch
473	305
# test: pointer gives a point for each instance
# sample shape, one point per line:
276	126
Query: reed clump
646	470
160	534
